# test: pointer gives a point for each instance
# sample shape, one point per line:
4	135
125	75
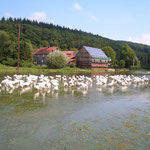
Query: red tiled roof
71	55
68	52
44	50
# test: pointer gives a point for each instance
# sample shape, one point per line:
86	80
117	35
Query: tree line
39	34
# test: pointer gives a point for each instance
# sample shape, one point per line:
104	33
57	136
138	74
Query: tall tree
109	51
7	47
129	56
148	59
26	50
122	63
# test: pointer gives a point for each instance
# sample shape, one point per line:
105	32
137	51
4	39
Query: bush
122	63
10	62
115	65
135	67
73	65
26	64
56	60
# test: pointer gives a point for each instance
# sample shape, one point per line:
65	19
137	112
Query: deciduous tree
56	60
109	51
129	56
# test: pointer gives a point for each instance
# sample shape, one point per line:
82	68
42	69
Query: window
93	60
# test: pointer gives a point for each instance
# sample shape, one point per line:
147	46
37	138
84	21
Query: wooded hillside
34	35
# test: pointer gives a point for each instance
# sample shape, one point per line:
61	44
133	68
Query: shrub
56	60
122	63
134	67
26	64
10	62
73	65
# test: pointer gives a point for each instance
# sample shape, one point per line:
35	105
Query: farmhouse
92	58
71	56
41	54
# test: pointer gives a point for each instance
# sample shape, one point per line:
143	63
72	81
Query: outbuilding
71	56
92	58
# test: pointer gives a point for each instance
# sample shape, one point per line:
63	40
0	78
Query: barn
92	58
41	54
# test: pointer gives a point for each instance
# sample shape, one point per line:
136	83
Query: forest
39	34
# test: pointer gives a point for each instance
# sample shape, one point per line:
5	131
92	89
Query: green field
41	69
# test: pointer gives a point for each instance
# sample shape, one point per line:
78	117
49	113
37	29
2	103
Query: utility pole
18	48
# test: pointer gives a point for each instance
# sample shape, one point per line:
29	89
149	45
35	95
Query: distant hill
43	34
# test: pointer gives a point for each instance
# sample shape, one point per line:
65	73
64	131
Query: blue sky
116	19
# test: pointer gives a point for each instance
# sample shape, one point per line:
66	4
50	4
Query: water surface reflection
69	119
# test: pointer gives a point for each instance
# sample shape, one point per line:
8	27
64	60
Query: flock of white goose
52	84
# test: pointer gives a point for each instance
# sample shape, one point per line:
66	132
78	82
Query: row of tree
128	58
38	34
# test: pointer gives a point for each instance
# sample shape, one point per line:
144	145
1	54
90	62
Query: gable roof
45	50
95	52
70	54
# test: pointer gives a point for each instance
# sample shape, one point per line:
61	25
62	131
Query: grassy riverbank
44	70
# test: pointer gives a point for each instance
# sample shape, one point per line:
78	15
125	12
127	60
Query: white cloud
7	15
93	17
144	39
38	16
85	12
70	27
77	6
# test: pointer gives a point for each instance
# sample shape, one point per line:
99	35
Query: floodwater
72	120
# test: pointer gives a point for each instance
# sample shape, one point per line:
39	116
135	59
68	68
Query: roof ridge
92	47
44	50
